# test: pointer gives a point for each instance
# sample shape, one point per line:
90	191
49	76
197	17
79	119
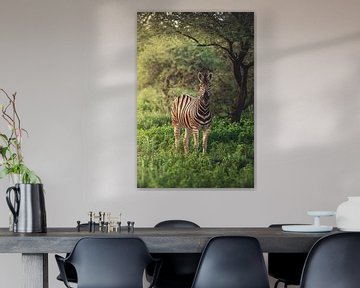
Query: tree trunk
241	75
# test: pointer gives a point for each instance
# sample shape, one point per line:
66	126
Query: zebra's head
204	89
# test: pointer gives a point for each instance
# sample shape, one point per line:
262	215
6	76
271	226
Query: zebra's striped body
193	113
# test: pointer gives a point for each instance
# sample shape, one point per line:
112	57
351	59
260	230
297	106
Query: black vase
28	208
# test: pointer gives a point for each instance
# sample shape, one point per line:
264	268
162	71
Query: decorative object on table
102	222
27	204
348	214
131	226
316	227
28	208
78	225
195	100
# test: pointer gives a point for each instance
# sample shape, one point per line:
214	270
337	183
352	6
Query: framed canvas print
195	100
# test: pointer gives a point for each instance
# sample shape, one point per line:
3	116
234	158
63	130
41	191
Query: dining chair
333	262
285	267
232	262
69	269
108	263
178	269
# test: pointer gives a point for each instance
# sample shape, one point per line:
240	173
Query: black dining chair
70	271
108	263
285	267
333	262
178	269
232	262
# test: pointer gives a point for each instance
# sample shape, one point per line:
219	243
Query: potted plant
11	158
26	198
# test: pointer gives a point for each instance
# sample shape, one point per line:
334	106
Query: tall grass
228	163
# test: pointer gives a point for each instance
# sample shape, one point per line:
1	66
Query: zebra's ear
210	76
200	76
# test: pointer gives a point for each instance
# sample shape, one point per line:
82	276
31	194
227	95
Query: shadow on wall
307	133
346	39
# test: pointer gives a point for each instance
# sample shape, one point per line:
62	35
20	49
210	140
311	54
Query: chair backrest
333	262
178	269
287	267
110	262
232	262
176	224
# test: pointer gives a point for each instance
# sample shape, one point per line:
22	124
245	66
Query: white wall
73	65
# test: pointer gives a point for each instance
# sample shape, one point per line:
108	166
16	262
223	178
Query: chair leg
278	282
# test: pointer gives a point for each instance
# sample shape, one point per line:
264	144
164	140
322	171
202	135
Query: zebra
193	113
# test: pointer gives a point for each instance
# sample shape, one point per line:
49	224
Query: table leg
35	270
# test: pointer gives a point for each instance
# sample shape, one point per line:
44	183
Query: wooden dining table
35	247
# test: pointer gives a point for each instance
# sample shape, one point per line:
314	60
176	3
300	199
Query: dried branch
12	160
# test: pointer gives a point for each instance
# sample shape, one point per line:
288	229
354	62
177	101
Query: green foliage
26	175
167	67
11	159
229	162
149	100
148	120
176	44
169	58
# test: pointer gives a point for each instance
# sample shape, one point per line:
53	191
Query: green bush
229	162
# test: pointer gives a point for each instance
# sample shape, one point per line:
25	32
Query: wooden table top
158	240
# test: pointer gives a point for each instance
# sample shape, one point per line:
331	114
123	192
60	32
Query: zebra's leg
196	139
186	140
205	139
177	137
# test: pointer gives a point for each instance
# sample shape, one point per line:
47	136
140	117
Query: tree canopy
173	47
